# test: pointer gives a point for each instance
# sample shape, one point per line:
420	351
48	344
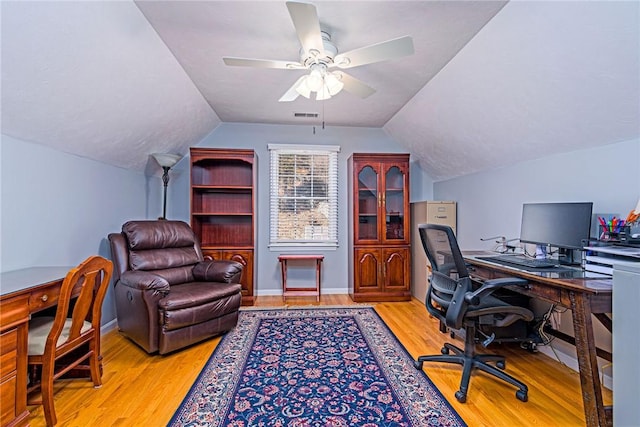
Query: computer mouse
635	236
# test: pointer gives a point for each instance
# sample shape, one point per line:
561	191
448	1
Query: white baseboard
109	326
324	291
571	362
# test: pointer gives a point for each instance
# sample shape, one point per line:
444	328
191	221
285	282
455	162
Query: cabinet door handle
44	298
379	200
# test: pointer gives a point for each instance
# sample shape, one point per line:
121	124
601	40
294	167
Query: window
304	195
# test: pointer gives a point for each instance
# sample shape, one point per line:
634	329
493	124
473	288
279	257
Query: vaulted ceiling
491	83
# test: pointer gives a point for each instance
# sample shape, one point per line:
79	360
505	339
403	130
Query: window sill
278	247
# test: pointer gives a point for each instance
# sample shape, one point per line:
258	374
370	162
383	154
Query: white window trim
332	244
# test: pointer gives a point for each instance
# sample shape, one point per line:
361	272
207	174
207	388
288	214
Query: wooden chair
74	332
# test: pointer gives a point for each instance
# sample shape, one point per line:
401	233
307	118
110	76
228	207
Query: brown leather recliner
167	296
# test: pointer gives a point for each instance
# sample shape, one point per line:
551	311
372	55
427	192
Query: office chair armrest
489	286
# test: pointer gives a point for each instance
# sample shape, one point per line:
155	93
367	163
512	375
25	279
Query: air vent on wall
312	115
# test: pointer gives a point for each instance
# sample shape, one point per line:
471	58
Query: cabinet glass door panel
368	202
394	202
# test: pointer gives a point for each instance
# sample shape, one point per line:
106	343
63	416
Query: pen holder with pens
614	230
621	234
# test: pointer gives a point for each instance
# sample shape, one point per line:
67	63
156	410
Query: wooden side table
291	291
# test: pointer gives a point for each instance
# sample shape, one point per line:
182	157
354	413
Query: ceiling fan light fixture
323	94
302	88
333	84
314	81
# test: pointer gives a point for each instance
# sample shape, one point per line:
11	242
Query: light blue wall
257	137
490	203
57	208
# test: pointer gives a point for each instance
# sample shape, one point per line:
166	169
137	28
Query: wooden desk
288	291
23	292
583	297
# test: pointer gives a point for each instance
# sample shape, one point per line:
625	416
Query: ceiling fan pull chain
324	87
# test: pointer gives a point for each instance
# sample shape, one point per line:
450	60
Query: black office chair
460	302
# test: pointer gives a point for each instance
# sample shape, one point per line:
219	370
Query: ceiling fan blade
305	20
355	86
263	63
391	49
292	93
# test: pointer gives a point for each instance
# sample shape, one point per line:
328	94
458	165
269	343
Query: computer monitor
562	225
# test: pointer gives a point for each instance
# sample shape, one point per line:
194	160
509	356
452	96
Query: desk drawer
44	298
8	401
14	311
8	352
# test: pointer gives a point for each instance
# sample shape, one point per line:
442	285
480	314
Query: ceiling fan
320	56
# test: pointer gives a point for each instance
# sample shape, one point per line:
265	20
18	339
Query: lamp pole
165	181
166	162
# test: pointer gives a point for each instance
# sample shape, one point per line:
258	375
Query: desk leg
283	268
587	361
318	266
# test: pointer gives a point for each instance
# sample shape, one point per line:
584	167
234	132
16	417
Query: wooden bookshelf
223	200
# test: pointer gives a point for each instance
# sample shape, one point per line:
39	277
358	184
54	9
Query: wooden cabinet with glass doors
379	233
223	197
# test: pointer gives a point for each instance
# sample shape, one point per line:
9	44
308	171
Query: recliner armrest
489	286
144	280
225	271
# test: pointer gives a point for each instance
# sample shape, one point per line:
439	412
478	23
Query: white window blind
304	195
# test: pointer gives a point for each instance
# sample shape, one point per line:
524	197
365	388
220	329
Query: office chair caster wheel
522	395
444	350
460	396
501	364
417	365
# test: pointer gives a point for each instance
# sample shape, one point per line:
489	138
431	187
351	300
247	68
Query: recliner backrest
168	248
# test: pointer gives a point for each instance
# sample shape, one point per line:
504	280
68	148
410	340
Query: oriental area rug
312	367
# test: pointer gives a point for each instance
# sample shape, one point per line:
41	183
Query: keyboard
522	261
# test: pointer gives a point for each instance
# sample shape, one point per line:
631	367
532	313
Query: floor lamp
166	161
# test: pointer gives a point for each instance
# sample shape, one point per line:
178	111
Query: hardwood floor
139	389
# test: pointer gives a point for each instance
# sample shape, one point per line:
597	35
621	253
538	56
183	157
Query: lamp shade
302	87
315	81
325	83
322	94
166	160
333	84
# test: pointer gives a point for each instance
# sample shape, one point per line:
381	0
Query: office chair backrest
442	249
449	280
